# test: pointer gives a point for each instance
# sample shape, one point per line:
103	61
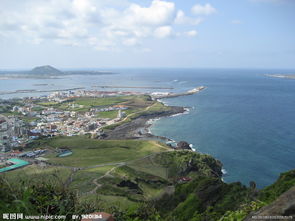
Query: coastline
171	141
138	128
151	121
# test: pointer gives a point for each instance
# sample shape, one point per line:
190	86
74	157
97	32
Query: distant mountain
45	70
48	71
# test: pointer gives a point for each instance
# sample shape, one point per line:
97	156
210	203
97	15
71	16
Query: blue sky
147	33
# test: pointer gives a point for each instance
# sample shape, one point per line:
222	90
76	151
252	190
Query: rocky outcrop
185	163
128	183
130	130
183	145
282	206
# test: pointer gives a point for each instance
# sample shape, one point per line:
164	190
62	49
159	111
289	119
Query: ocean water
243	118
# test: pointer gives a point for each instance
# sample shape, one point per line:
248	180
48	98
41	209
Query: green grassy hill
90	152
132	179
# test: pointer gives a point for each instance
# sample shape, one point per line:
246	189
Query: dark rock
252	185
129	184
183	145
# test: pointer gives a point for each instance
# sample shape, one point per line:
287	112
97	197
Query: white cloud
83	6
100	24
159	13
163	32
191	33
206	9
182	19
130	41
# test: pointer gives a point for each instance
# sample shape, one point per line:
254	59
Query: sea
243	118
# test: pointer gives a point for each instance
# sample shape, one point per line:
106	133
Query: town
27	122
32	117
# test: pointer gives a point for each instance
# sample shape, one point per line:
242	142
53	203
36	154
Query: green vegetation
265	197
48	104
154	109
173	164
104	101
38	108
145	187
37	198
203	197
132	101
134	112
90	152
108	114
284	183
241	213
144	174
4	109
35	172
137	190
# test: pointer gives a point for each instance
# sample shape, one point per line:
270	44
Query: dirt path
98	185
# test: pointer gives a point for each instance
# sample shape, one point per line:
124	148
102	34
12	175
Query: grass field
109	200
108	114
147	165
50	103
104	101
90	152
34	173
148	169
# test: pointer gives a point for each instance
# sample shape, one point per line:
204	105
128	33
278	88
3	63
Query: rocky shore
138	128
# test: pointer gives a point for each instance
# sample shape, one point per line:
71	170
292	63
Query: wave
192	147
186	111
163	102
224	172
171	142
150	122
